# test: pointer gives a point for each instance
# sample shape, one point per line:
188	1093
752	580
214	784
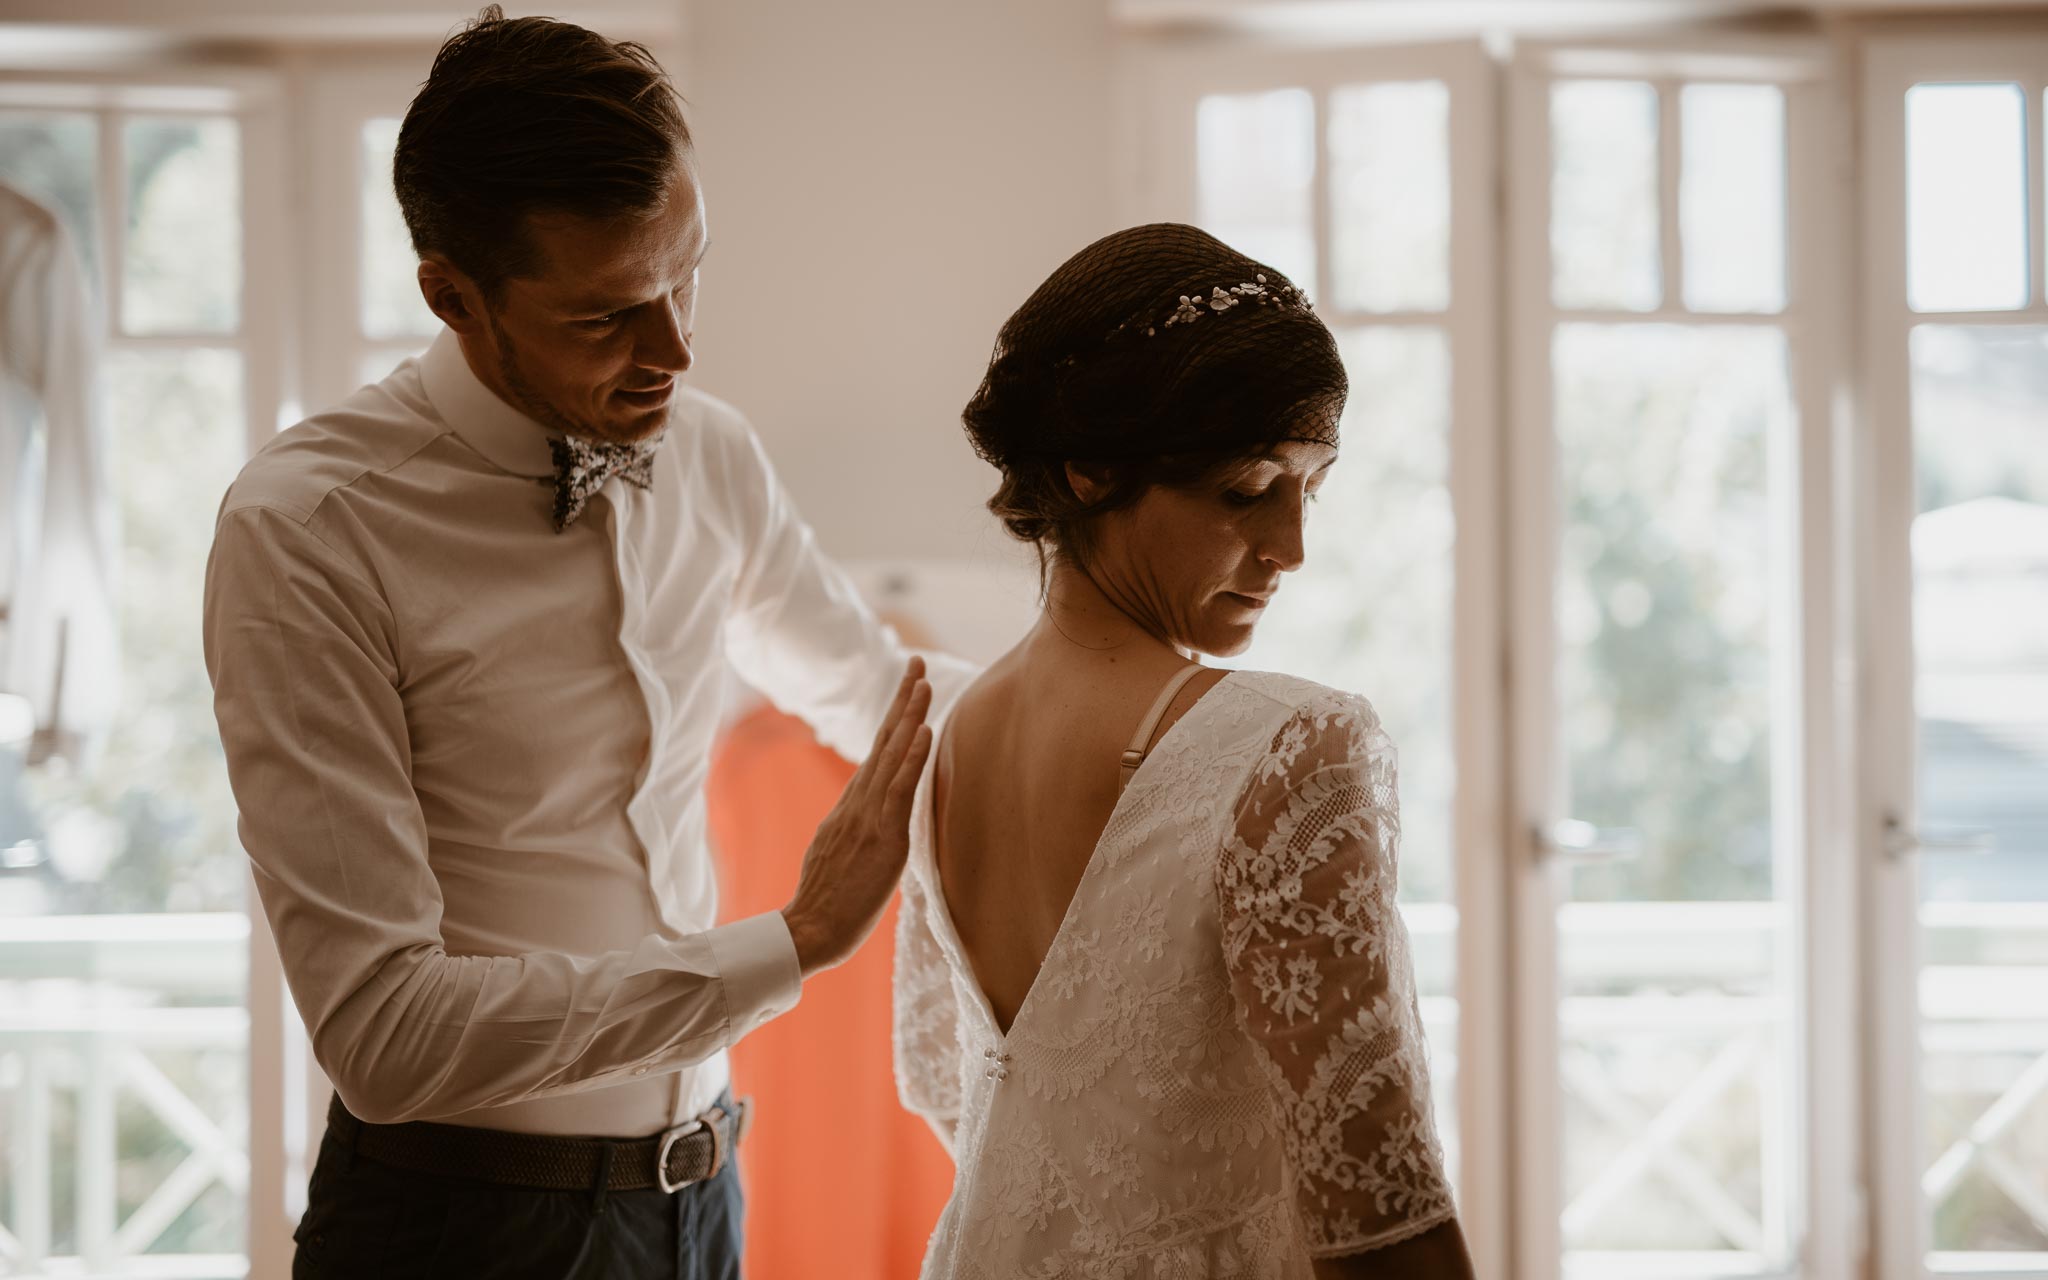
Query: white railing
106	1017
1646	982
122	1025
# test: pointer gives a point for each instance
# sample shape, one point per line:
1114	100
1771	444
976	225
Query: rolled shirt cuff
757	960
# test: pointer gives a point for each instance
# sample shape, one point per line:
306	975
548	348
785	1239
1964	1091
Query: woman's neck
1080	615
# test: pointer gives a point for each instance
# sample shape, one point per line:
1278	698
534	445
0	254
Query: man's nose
663	343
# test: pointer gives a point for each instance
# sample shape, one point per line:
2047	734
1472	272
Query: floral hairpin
1194	306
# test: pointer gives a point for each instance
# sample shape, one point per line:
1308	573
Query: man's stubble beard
537	406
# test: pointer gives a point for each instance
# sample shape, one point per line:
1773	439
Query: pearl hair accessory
1194	306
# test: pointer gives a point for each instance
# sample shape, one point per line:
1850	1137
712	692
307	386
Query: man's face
594	342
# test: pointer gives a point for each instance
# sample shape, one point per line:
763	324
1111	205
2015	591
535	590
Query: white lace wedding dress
1219	1070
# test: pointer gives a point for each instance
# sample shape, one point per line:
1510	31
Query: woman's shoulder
1293	699
1306	726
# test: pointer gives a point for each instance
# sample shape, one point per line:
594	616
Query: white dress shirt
469	752
57	539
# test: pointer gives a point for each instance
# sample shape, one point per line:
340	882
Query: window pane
1370	611
182	270
1390	196
53	158
1663	599
1603	195
391	302
1255	164
1675	1053
1980	684
1966	197
1732	196
152	824
50	159
135	966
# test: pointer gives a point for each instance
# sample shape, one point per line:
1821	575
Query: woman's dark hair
530	115
1156	356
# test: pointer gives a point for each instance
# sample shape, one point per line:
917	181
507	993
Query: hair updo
1090	371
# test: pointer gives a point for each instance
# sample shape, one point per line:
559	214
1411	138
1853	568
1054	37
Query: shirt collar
502	434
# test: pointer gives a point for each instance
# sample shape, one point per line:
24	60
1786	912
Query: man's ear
452	295
1088	486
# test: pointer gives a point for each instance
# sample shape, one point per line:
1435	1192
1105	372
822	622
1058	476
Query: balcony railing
123	1080
124	1073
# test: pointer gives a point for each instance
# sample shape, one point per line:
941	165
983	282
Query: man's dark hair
530	115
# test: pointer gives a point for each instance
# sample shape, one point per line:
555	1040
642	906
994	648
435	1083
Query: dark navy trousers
370	1221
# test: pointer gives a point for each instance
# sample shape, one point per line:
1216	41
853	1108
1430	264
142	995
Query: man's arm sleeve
799	630
303	654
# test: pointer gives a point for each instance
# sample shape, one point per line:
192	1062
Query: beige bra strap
1134	755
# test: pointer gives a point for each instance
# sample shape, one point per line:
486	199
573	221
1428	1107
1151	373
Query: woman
1152	989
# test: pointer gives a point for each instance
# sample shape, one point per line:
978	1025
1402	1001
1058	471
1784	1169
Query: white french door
1679	992
1368	177
134	988
363	310
1953	809
1584	563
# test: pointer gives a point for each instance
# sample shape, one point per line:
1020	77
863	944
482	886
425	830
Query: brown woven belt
673	1159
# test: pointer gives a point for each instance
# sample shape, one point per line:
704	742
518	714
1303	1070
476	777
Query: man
467	632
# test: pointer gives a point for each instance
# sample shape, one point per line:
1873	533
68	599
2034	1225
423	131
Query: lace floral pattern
1319	958
1219	1072
926	1040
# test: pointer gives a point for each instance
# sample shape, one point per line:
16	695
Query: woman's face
1198	565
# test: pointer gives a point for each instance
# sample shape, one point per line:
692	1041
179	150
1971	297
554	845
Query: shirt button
639	1071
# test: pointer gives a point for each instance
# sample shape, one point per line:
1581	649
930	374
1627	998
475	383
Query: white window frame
264	336
1161	88
1895	57
1506	950
1816	957
341	95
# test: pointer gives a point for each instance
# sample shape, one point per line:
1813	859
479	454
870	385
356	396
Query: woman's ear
1088	486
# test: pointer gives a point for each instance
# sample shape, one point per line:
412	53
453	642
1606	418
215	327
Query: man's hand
857	856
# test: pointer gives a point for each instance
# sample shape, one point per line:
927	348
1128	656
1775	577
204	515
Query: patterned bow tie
581	468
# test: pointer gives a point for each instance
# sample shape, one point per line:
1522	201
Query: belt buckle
668	1142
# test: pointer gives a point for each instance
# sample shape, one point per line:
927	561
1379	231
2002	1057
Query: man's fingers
859	783
903	787
904	688
912	673
908	722
887	760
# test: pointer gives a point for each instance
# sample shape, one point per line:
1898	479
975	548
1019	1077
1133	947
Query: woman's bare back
1026	779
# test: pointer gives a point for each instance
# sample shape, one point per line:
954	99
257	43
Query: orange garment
840	1180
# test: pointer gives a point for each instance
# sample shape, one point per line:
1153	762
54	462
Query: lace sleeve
927	1017
1318	958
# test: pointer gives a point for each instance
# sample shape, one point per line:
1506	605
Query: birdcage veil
1160	345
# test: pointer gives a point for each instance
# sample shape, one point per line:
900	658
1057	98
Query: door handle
1901	841
1574	840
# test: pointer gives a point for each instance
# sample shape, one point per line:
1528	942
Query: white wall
324	20
887	181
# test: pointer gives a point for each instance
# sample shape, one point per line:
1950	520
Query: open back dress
1219	1069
